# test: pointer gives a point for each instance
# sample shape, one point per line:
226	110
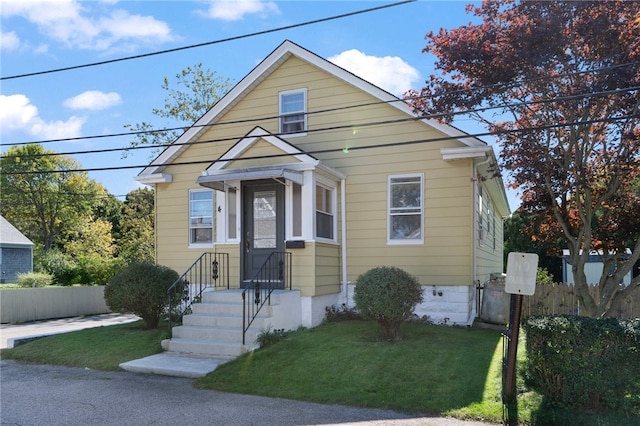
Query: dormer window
293	109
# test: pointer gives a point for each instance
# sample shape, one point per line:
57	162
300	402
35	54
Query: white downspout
343	220
476	230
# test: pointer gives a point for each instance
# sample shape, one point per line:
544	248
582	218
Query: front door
262	224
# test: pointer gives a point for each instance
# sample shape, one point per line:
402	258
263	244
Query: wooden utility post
522	269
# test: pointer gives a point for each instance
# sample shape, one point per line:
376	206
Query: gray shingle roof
9	235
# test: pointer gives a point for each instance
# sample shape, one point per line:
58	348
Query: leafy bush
34	279
343	312
141	289
96	270
583	362
60	265
387	295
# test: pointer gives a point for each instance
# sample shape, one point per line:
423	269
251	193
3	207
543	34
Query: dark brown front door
262	224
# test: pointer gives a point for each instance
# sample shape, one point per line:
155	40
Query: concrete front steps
212	333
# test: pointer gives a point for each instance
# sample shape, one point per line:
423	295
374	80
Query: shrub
60	265
387	295
34	279
584	363
341	313
269	337
141	289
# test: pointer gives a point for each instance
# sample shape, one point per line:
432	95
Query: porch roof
216	181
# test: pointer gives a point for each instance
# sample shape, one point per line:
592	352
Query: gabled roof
294	162
10	236
260	73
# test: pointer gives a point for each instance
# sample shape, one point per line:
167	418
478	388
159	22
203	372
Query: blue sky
382	46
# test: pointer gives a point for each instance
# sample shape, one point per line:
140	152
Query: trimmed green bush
387	295
141	289
34	279
585	363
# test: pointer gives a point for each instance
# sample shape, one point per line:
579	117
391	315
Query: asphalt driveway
51	395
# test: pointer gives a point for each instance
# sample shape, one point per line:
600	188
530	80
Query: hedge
583	362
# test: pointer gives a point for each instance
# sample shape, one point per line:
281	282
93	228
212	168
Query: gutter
343	220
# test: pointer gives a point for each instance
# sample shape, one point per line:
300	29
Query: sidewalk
11	333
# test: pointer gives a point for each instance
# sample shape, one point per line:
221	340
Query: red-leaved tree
558	82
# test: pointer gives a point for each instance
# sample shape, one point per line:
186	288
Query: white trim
405	241
191	244
152	179
262	71
303	111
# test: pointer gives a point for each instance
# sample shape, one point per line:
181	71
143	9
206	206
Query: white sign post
522	269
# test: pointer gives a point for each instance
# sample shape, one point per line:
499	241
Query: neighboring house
592	269
305	157
16	252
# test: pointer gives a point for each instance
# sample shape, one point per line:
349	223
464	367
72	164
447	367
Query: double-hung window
293	111
325	212
201	216
405	203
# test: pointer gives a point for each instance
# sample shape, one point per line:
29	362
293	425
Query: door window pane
264	219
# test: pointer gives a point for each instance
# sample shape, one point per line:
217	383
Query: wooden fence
563	299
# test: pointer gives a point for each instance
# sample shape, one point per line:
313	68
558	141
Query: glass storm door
262	225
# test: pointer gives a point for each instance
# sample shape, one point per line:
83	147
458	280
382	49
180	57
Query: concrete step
206	348
219	334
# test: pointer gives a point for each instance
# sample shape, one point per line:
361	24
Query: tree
182	107
519	237
563	79
42	194
137	243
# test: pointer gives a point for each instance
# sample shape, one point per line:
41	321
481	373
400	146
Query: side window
293	108
324	212
405	209
201	216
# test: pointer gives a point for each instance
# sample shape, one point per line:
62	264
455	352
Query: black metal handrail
275	273
211	270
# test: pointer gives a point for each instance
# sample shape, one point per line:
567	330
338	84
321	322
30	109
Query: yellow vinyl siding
445	258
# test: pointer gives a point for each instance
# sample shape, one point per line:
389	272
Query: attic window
293	109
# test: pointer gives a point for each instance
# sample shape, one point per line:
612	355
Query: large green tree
44	196
137	242
196	90
557	81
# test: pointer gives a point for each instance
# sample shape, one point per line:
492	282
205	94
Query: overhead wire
208	43
331	128
334	150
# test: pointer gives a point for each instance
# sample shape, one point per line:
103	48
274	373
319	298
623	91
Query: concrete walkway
12	333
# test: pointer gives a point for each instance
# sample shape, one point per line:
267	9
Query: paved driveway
49	395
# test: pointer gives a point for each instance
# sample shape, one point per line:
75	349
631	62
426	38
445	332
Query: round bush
387	295
141	289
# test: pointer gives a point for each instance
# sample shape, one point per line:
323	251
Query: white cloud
68	22
93	100
9	41
390	73
18	114
235	10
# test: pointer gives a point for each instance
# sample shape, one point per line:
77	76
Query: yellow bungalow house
304	158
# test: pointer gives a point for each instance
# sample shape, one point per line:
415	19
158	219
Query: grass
99	348
434	370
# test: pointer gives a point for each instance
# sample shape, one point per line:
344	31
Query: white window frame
391	213
283	114
213	219
331	187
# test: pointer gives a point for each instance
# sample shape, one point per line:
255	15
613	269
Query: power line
209	43
185	127
355	148
332	128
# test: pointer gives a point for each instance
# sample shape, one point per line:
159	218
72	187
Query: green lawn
100	348
451	371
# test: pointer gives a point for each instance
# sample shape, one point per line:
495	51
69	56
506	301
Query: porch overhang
216	180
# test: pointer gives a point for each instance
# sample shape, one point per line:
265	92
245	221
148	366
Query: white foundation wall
446	305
